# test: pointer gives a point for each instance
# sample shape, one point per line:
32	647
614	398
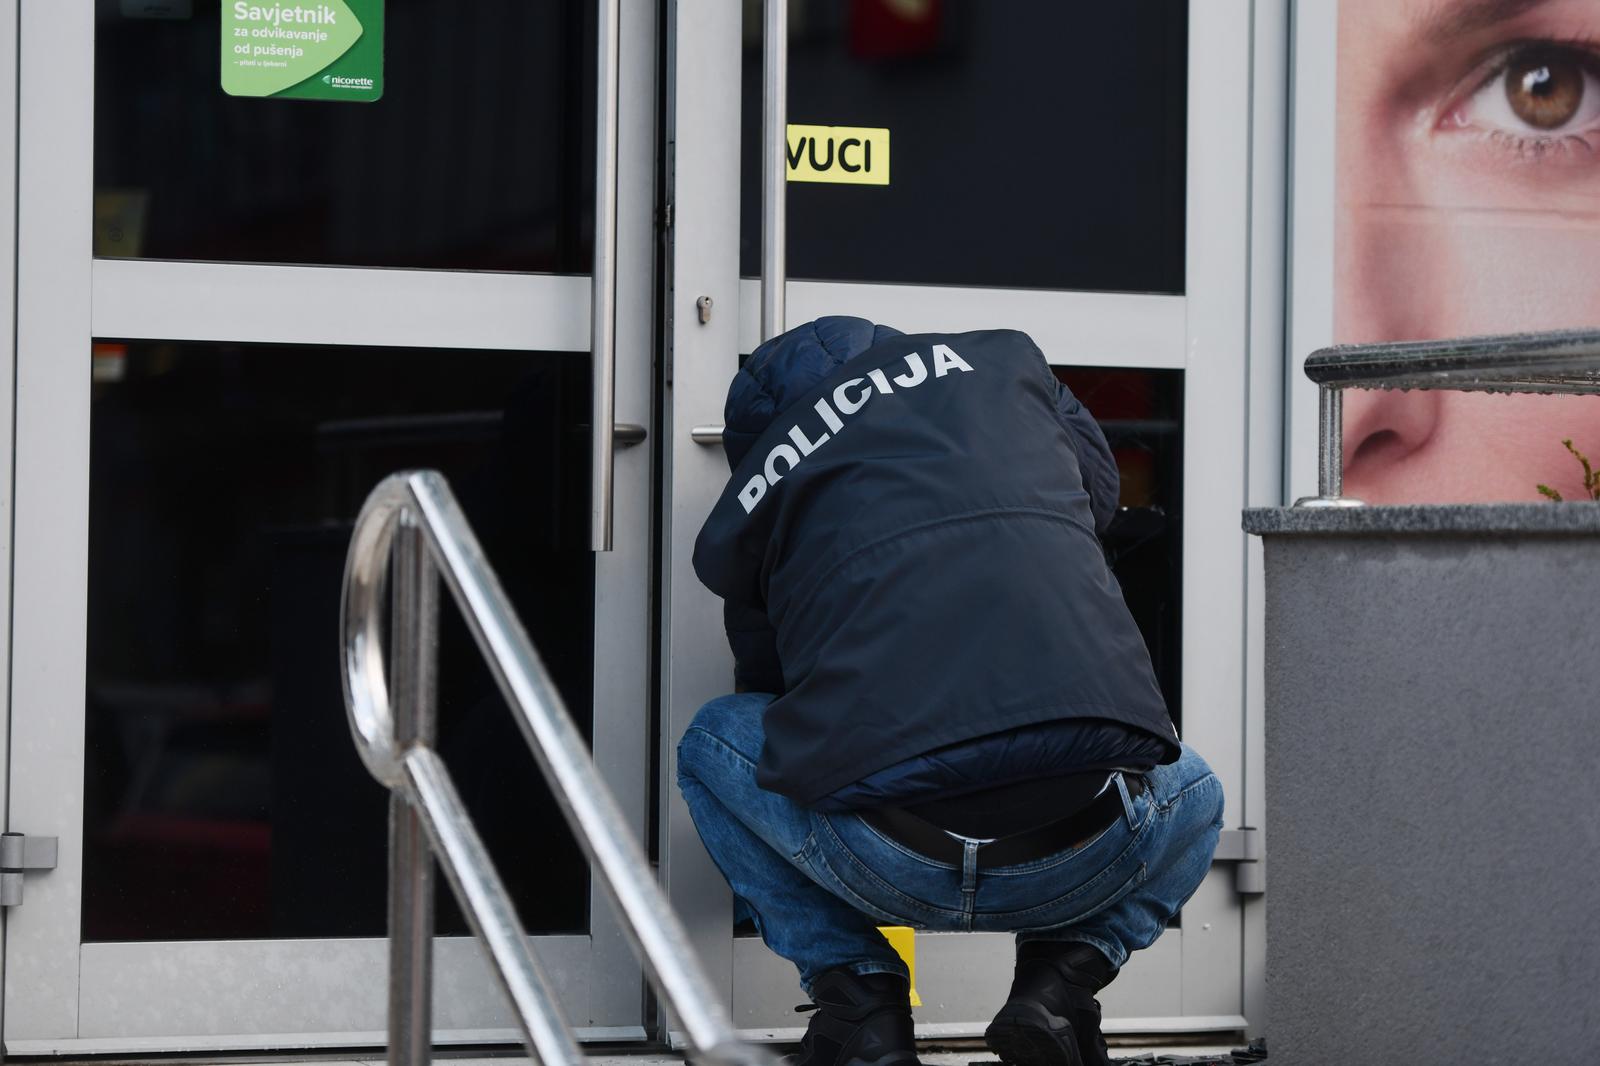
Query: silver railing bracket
1329	501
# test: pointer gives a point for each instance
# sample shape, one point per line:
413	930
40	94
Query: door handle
706	434
603	282
774	166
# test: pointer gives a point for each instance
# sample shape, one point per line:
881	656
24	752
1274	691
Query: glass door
1081	174
242	307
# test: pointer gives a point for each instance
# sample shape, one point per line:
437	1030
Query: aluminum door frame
1313	171
65	997
1225	332
1271	127
9	22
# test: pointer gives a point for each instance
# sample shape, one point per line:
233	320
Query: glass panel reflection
224	795
480	154
1032	145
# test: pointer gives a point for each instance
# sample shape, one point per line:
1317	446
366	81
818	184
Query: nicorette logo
333	81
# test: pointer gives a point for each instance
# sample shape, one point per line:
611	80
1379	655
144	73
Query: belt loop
969	864
969	880
1127	801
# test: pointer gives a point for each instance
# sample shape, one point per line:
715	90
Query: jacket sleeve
728	567
1095	462
756	667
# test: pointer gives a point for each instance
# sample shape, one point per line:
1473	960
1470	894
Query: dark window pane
1033	145
480	154
1141	412
224	795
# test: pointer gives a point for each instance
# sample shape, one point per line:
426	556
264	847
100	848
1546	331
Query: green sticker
324	50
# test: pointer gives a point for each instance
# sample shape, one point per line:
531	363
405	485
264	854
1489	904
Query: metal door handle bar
706	434
412	525
603	279
1564	361
774	165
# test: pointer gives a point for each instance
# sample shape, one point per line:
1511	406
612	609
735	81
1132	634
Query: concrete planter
1433	783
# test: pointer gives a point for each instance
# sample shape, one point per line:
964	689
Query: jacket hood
784	369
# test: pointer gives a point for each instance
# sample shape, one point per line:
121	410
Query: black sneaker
1052	1017
860	1020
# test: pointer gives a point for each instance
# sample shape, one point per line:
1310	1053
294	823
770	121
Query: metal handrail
413	522
1564	361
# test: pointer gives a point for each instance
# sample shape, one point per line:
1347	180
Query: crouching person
946	717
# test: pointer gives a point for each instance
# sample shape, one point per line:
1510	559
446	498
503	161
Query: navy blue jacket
908	554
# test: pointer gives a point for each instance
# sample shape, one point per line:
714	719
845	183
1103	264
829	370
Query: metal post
1330	457
414	610
774	165
488	908
1330	452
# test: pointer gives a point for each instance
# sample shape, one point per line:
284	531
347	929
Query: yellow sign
903	940
845	155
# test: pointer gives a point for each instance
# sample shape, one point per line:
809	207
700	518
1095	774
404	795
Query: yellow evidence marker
904	941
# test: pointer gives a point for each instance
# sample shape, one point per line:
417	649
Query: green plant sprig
1591	477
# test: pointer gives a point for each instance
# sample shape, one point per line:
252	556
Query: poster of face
1467	201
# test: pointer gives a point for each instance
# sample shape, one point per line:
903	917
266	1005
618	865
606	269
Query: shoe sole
1025	1034
893	1058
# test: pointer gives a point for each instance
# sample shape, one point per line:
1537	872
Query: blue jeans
818	885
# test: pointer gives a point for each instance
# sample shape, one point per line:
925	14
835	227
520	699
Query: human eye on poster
1467	202
326	50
